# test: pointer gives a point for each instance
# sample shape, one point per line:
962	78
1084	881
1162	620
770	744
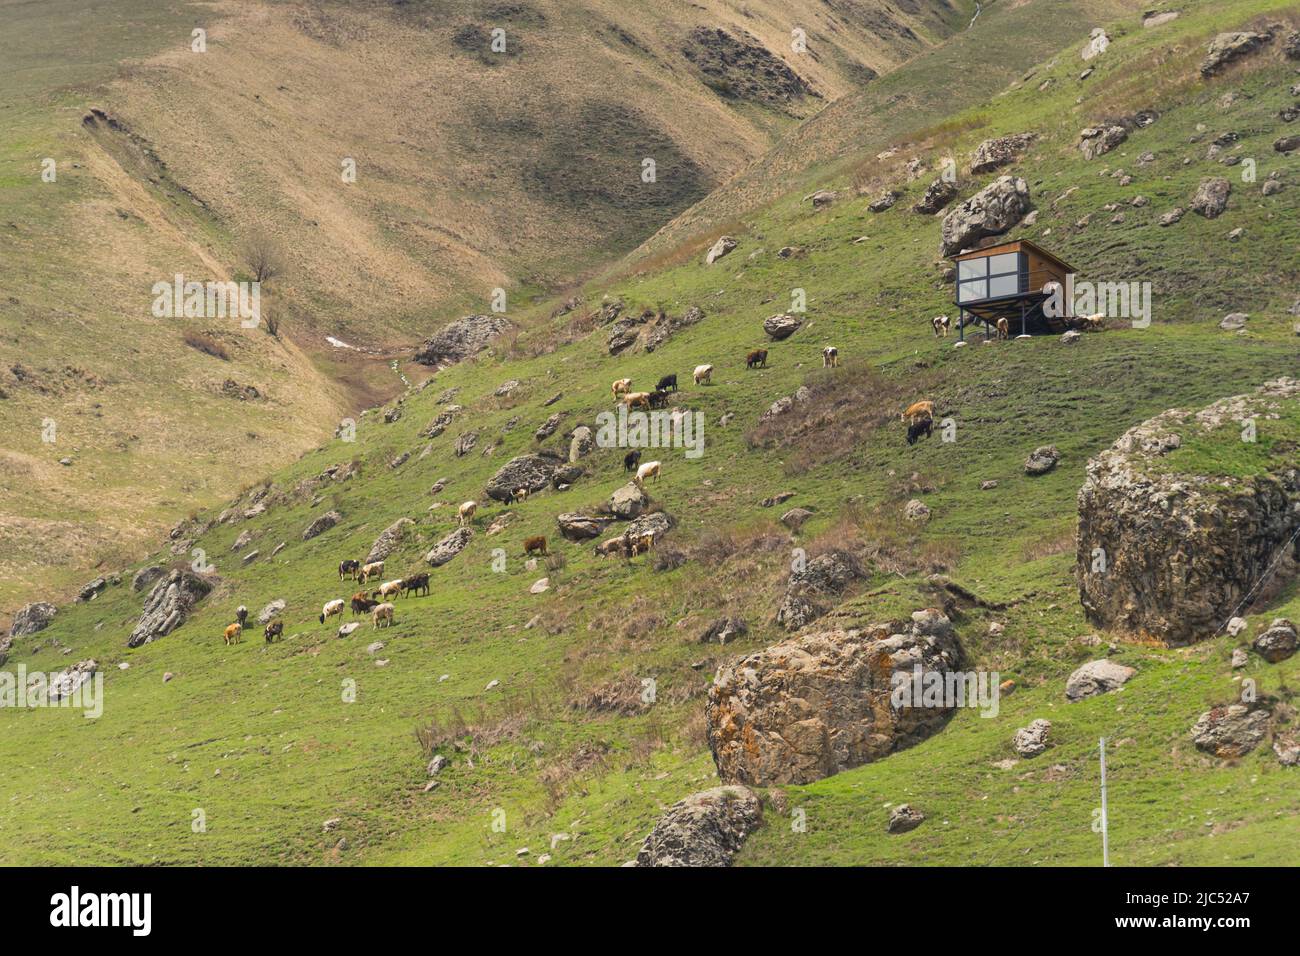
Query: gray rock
268	613
936	196
582	443
321	525
461	339
1239	658
1278	642
533	472
32	618
1032	740
146	576
781	326
464	444
1171	217
1234	322
722	247
547	428
990	212
1043	459
1227	47
1231	731
65	683
654	523
1211	197
1098	140
1002	151
795	518
823	198
91	590
1287	144
705	829
389	540
450	546
724	630
884	201
168	605
825	577
916	510
1097	677
629	501
437	765
580	527
903	818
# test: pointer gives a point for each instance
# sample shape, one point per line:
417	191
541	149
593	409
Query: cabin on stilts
1012	281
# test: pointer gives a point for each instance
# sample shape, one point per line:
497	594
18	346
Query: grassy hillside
473	171
262	740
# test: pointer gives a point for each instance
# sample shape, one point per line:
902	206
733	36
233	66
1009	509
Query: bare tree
264	258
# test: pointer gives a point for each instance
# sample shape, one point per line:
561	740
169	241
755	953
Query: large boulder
389	540
1211	197
1227	47
322	524
1002	151
461	339
32	618
450	546
815	586
937	195
705	829
781	326
656	524
814	705
722	247
533	472
580	527
990	212
628	502
1098	140
168	605
1231	731
1170	555
1278	642
1096	677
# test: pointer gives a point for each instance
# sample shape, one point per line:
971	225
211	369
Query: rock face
322	524
1211	197
1227	47
32	618
461	339
705	829
533	472
722	247
1032	740
1231	731
990	212
1043	460
167	606
1278	642
995	153
1096	677
449	547
1098	140
629	501
822	580
781	326
1170	556
146	576
937	195
389	540
814	705
579	527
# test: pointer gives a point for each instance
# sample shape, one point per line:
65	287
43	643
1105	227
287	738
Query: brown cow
536	543
756	359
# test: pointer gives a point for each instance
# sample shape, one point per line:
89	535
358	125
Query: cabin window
973	268
989	277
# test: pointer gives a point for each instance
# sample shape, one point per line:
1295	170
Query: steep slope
316	749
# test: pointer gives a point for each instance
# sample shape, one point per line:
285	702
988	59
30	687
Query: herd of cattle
918	416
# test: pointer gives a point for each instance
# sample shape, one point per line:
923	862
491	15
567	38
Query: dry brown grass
478	727
207	345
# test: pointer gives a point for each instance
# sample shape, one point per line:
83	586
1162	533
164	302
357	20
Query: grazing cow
241	614
536	543
658	399
830	357
521	494
416	582
703	374
1093	323
384	612
273	630
756	359
349	568
646	470
371	570
1004	329
915	430
668	383
232	633
388	589
637	400
621	386
331	608
917	411
466	512
632	459
641	545
941	324
361	603
612	546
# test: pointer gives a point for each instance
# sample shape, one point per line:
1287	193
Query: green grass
261	740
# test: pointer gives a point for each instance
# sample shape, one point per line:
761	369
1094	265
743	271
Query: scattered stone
1097	677
389	540
1071	337
1211	197
1234	322
1278	642
904	818
823	198
450	546
1239	658
782	326
825	576
321	525
374	648
1157	18
1231	731
533	472
1032	740
988	485
346	629
1272	187
540	585
65	683
1171	217
704	829
722	247
437	765
794	518
916	510
1043	459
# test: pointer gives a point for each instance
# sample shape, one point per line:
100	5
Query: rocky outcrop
65	683
1233	730
322	524
990	212
1170	556
461	339
1227	47
722	247
781	326
817	585
533	472
936	196
1002	151
814	705
450	546
32	618
389	540
168	605
1278	642
1211	197
705	829
1096	677
1098	140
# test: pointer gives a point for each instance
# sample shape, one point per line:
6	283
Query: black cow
915	430
348	569
668	383
632	459
658	398
416	583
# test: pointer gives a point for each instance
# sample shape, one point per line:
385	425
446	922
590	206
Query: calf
384	612
361	603
668	383
621	386
232	633
466	512
915	430
371	570
703	374
632	459
273	630
647	470
756	359
830	357
388	589
612	546
637	400
416	582
941	324
331	608
1004	329
917	411
349	568
536	543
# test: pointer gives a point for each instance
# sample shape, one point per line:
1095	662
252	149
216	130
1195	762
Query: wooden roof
1014	245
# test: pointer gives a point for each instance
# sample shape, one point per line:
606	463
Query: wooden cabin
1007	281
